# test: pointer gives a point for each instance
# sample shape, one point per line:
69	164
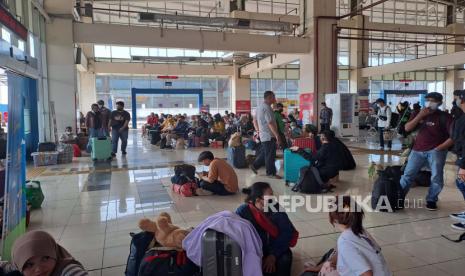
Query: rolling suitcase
221	255
101	148
293	162
236	157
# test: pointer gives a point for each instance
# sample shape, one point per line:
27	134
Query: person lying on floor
357	251
37	253
221	178
274	228
326	159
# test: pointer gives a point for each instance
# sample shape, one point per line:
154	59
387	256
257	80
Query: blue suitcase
293	162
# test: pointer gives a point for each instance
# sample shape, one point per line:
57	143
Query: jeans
115	136
283	265
93	132
460	185
216	187
417	160
381	138
266	156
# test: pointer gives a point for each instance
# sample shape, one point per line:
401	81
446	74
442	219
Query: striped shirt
74	270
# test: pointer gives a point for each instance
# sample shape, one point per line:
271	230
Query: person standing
93	125
431	145
105	115
458	135
384	121
265	124
119	123
278	114
326	117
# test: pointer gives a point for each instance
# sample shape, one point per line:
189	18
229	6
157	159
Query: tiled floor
91	210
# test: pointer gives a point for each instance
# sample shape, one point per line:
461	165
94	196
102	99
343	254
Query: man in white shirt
265	123
384	122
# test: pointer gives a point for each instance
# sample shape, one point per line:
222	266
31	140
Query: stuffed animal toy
166	234
235	140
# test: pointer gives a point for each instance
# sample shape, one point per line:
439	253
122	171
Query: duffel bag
164	262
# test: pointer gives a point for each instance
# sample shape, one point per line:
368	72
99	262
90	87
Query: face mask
432	105
68	132
458	102
100	106
377	105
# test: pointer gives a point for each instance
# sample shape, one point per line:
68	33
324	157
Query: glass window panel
265	74
137	51
120	52
102	51
6	35
192	53
174	53
279	74
208	54
293	74
431	76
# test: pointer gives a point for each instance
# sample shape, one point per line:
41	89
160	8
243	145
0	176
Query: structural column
453	81
358	57
240	92
318	73
87	91
62	73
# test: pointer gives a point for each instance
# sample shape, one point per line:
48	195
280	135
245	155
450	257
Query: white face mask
432	105
458	102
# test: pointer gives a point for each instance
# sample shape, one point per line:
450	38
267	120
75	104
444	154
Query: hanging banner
243	107
14	213
306	114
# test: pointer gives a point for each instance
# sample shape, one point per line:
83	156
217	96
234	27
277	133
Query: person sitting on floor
68	137
326	159
218	128
274	228
221	178
37	253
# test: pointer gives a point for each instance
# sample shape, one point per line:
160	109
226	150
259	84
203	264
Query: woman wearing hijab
37	253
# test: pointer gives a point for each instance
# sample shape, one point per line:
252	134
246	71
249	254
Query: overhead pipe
404	41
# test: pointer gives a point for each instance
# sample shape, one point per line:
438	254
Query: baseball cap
435	96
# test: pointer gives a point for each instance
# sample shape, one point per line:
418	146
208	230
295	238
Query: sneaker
431	205
113	154
124	153
253	169
458	216
458	226
203	192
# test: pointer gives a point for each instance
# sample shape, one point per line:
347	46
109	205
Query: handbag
389	134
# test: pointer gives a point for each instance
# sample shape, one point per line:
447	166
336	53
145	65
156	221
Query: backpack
185	170
185	189
309	181
388	185
140	242
163	261
394	120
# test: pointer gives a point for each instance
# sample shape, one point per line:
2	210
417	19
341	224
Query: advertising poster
306	114
14	214
243	107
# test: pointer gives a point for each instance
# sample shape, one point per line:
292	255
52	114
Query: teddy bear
166	234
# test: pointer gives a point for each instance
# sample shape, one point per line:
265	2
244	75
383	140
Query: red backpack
186	189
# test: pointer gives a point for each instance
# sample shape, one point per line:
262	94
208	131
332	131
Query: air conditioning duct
217	22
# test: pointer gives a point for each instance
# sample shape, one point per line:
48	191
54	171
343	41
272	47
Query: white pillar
358	57
87	91
453	81
317	74
240	92
62	72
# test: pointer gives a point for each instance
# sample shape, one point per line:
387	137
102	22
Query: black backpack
394	120
309	181
185	170
161	262
388	185
139	245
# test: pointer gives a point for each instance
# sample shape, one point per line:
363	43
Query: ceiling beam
267	63
162	69
112	34
457	58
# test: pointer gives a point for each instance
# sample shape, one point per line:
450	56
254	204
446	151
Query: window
32	50
21	45
102	51
6	35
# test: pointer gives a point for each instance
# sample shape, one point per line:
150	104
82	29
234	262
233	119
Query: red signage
11	23
243	107
307	114
167	77
364	106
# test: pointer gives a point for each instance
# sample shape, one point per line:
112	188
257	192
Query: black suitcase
155	137
221	255
46	146
236	157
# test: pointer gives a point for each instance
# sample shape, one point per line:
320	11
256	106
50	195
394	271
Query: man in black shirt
119	122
